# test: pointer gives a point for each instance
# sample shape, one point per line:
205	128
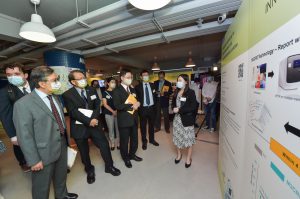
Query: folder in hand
165	89
131	100
88	113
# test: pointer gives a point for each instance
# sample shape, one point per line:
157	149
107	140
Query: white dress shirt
150	94
45	99
27	88
209	90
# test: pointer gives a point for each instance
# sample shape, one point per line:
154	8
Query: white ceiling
54	12
129	31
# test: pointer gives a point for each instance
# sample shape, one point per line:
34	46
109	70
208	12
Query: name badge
183	99
93	97
107	97
153	91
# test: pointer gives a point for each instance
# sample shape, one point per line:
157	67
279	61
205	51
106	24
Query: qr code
241	71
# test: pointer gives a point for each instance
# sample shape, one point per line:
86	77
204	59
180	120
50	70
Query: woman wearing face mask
110	113
184	104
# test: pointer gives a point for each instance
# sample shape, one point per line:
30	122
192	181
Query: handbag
72	153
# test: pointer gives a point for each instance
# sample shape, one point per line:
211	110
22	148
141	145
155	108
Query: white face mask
15	80
128	82
146	78
180	84
112	85
82	83
55	86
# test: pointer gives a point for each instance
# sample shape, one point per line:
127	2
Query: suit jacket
187	108
164	100
6	108
37	130
73	101
125	119
140	94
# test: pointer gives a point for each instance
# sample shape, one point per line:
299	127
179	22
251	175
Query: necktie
56	115
147	95
84	98
25	91
128	91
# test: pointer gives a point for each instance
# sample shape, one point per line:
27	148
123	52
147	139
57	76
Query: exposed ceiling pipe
198	6
164	15
183	33
71	25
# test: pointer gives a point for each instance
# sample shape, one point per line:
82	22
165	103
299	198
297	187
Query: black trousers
147	115
165	111
100	141
19	155
128	135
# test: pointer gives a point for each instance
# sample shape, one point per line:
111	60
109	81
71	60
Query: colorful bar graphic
277	171
286	156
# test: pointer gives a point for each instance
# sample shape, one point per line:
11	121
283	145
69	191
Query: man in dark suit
127	122
163	90
40	126
146	96
17	87
84	127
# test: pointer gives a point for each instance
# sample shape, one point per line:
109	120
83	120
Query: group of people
33	117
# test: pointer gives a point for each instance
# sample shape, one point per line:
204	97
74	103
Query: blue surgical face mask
180	84
16	80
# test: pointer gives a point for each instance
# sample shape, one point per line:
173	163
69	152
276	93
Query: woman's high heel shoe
188	165
177	161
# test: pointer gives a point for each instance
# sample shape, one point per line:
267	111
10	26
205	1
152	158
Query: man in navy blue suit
163	90
17	87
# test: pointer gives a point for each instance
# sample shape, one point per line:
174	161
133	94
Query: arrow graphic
271	74
292	129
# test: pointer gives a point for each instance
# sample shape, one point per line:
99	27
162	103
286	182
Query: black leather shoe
90	178
112	148
136	158
144	147
177	161
188	165
71	196
118	147
128	164
113	171
154	143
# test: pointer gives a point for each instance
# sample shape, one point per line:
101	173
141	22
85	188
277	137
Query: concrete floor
156	177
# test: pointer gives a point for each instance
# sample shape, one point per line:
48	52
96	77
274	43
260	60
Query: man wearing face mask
127	122
41	132
146	95
17	87
84	127
163	90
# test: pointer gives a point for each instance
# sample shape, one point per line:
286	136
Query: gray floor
157	177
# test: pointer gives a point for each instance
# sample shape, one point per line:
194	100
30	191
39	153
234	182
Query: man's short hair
40	74
14	65
144	71
162	73
124	71
71	74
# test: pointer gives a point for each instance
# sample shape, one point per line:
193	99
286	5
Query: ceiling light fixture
149	4
35	30
155	66
190	62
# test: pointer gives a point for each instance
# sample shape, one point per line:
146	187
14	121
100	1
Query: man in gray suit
40	127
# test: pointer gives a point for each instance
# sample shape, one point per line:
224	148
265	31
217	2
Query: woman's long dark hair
187	86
